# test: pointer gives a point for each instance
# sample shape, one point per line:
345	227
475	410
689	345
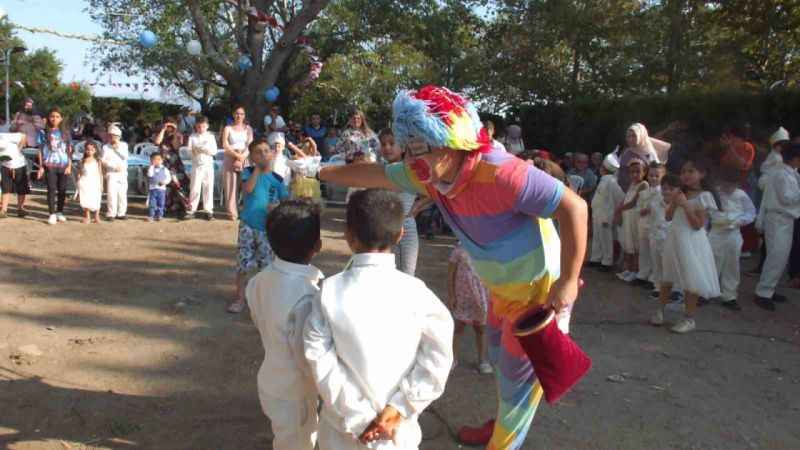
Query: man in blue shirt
316	131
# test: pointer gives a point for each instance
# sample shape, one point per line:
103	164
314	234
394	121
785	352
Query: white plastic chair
185	153
145	149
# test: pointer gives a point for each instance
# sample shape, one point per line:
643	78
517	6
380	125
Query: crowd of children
679	233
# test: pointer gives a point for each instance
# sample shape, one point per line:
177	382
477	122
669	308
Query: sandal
235	307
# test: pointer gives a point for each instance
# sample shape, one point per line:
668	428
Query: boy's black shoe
732	305
764	303
592	264
639	282
122	217
702	301
21	213
603	268
777	298
187	216
209	216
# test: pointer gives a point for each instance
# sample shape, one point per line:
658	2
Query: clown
501	209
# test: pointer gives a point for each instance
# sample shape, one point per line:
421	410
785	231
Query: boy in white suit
279	298
204	147
115	161
726	239
606	199
781	205
379	342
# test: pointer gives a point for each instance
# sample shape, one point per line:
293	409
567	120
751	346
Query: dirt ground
114	336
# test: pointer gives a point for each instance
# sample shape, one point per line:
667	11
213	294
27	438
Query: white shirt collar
303	270
372	259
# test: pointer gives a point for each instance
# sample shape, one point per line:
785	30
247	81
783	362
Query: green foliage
130	111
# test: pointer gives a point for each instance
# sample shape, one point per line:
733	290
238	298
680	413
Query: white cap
781	135
276	137
611	162
114	130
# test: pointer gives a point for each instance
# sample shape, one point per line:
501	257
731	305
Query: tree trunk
675	10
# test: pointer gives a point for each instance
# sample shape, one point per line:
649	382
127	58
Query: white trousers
294	423
602	243
645	258
656	249
117	194
408	437
778	233
202	183
727	248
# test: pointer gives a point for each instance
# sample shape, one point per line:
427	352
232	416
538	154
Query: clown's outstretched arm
572	216
357	175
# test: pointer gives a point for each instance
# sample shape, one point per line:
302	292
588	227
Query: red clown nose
557	360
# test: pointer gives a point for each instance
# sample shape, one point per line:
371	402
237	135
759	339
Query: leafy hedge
590	125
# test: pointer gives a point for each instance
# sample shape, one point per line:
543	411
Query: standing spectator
639	145
331	140
55	157
739	154
358	140
567	162
236	138
596	162
317	132
187	121
28	122
169	142
115	161
273	121
14	173
203	146
581	169
513	141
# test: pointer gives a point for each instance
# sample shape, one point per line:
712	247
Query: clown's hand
563	293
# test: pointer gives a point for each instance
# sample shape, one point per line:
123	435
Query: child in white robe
607	197
781	206
203	146
379	342
726	239
279	298
655	172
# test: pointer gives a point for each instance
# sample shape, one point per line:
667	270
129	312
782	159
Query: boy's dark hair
385	132
200	119
375	218
671	180
656	165
791	152
154	154
293	229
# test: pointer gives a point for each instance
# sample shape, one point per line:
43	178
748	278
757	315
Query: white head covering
611	162
781	135
114	130
643	145
276	137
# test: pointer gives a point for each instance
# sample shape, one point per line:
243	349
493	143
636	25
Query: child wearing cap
606	199
115	163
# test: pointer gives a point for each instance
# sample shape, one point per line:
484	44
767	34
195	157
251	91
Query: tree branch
217	61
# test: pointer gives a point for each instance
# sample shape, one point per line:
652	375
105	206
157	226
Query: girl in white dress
688	259
90	183
629	213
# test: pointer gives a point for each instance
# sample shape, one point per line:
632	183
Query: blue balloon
148	39
271	94
245	63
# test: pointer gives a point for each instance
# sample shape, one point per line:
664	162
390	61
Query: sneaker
52	220
684	325
676	296
764	303
151	219
657	318
777	298
731	304
655	295
624	276
485	368
60	217
209	216
188	216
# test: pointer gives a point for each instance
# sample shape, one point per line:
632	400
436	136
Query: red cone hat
557	360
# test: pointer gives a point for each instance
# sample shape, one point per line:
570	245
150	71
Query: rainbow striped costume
499	206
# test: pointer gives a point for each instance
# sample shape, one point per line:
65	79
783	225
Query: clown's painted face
440	164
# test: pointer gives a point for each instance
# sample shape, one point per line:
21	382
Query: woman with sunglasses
236	138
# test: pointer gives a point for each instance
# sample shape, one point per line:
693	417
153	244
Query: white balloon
194	47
